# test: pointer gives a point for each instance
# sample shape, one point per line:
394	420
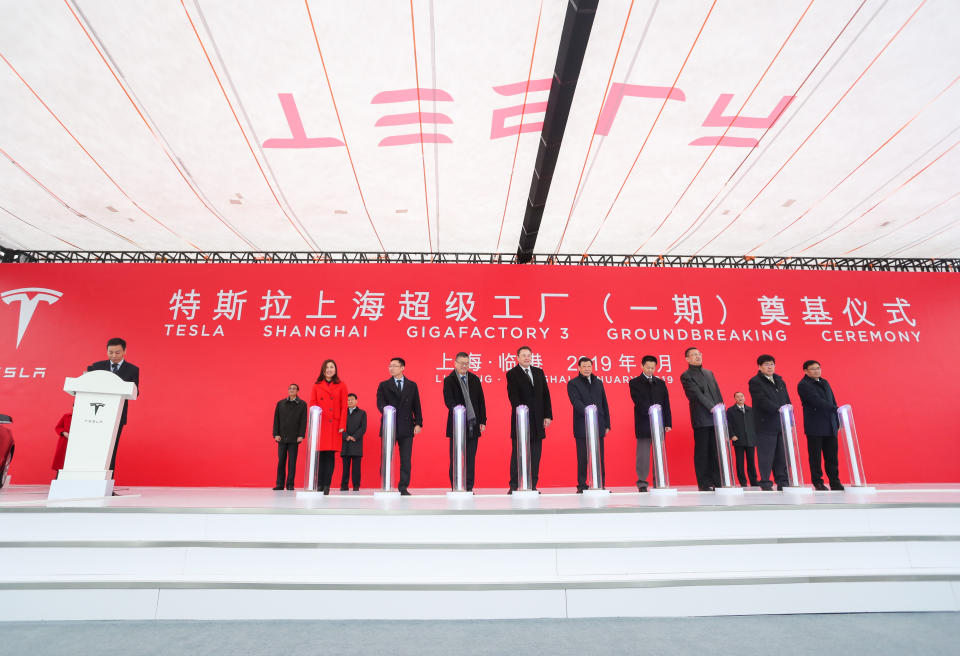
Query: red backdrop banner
217	345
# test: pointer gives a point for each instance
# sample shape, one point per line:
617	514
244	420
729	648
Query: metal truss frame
951	265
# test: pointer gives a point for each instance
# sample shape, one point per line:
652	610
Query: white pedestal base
460	495
805	489
525	494
6	481
729	491
386	494
664	491
596	493
309	494
860	489
79	489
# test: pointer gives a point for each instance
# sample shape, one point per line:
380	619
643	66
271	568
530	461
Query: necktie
399	385
529	375
113	367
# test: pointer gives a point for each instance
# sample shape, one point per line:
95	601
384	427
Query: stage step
143	563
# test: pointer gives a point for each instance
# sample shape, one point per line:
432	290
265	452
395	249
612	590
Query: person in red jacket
330	393
63	432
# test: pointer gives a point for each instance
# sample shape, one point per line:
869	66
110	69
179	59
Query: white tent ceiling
291	125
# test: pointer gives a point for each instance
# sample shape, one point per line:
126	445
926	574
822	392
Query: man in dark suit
117	364
647	390
743	434
768	393
584	390
703	393
462	387
403	395
352	449
820	423
527	385
289	427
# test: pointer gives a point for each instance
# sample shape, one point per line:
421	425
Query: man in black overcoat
768	393
462	387
289	427
647	390
527	385
116	363
403	394
351	450
584	390
703	393
743	434
820	423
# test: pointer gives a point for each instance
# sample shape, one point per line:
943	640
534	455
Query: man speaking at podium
115	363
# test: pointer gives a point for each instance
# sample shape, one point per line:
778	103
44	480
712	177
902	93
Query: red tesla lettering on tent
617	93
716	119
413	118
299	138
498	127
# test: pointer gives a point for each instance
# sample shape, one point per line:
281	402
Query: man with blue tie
462	387
116	363
403	394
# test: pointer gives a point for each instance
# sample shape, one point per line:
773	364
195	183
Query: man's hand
605	432
351	439
483	427
299	440
546	422
417	429
666	429
276	437
734	438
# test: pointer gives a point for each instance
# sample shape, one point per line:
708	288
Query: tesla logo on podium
29	298
96	407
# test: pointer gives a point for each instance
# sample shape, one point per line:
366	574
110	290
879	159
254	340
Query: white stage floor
246	499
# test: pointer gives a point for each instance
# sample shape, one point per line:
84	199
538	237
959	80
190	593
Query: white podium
93	431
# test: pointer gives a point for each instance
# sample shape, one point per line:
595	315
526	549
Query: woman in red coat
63	432
330	393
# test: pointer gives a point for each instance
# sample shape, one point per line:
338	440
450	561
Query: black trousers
536	448
705	462
827	445
348	462
748	454
325	464
582	464
469	461
286	460
770	457
405	450
113	458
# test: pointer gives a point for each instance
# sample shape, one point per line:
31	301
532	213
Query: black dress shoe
510	491
290	487
836	486
344	488
768	487
405	493
279	487
326	490
642	488
707	488
818	485
579	490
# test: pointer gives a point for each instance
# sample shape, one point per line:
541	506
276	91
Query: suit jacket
819	407
742	425
356	427
645	394
535	396
453	396
290	420
407	405
128	372
581	395
767	398
703	392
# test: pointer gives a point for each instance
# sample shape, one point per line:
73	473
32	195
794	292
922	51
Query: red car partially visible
6	447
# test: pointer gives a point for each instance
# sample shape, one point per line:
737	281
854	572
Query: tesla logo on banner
29	298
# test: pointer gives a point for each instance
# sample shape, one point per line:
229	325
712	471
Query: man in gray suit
703	392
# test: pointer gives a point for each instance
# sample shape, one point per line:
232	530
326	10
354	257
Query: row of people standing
344	424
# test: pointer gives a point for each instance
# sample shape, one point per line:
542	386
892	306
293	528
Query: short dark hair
763	359
351	394
738	392
462	354
403	363
690	348
808	363
583	359
648	358
524	348
293	385
117	341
